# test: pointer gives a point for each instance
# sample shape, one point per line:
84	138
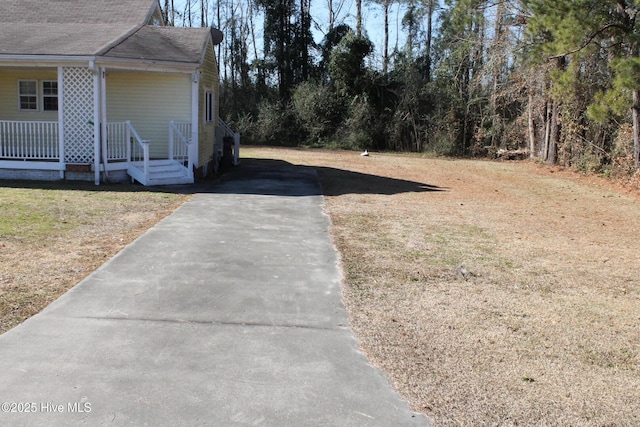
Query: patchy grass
54	234
490	293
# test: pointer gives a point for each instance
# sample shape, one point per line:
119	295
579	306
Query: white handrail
181	135
134	152
182	151
227	129
236	140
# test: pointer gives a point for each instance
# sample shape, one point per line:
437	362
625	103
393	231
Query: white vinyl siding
207	129
150	101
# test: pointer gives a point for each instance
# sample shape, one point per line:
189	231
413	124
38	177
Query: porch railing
21	140
138	154
36	144
180	145
227	131
117	141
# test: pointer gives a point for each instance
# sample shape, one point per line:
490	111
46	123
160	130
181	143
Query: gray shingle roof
172	44
115	12
58	39
113	28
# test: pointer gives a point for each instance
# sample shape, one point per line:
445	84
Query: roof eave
52	61
205	48
41	61
210	42
146	65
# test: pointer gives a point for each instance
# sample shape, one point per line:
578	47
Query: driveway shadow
281	178
337	182
260	177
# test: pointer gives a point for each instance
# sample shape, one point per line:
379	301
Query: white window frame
21	95
209	106
44	96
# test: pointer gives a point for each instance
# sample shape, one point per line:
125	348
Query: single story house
98	89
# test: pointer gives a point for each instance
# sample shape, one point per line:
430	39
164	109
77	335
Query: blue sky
372	17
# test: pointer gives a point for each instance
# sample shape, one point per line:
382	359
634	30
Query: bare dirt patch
52	235
490	293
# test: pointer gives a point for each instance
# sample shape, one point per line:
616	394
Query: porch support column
96	121
103	119
195	114
61	121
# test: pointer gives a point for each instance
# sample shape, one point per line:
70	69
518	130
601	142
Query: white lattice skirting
78	114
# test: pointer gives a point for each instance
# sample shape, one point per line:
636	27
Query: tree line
554	80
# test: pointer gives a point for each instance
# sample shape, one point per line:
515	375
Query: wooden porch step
165	172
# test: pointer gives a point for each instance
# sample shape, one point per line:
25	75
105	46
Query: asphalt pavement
226	313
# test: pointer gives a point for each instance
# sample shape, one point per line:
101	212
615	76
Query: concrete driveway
226	313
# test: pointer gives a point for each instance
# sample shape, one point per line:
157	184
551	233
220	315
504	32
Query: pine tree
579	33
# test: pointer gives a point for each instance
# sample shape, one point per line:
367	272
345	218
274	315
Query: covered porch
38	146
108	124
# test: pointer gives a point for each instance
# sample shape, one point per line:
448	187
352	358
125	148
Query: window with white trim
49	95
209	110
28	95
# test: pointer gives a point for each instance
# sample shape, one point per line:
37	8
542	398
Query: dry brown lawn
490	293
54	234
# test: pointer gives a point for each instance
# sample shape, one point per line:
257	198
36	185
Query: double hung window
34	97
50	95
209	111
28	94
